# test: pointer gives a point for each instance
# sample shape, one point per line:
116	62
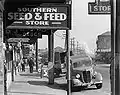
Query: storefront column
51	57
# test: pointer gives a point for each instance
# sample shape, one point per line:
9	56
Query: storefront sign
52	17
104	50
101	8
23	33
15	40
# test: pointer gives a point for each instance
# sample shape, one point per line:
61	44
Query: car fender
98	77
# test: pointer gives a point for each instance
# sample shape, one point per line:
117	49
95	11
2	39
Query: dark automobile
83	72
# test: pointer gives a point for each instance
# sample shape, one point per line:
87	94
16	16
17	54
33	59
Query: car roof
79	58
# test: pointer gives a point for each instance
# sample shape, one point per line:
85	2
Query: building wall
104	43
104	48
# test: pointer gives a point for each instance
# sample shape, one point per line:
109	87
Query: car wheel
99	85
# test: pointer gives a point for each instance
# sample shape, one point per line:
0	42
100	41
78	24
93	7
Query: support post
36	55
115	46
117	49
5	79
15	60
13	63
113	30
68	64
51	57
5	65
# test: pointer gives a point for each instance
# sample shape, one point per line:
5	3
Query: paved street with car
31	84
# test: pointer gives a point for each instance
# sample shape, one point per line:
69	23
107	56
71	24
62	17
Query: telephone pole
73	39
71	43
115	46
68	64
117	49
77	47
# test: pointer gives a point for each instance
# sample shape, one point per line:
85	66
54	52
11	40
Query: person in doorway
31	64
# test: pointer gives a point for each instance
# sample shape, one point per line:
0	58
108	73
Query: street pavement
31	84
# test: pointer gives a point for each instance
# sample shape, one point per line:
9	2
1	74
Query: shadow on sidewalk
30	74
45	83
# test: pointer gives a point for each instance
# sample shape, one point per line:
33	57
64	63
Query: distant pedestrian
19	65
31	64
23	65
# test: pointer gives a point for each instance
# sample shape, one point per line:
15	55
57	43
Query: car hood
80	70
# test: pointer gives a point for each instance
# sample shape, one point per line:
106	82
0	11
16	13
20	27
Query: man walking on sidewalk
31	64
23	65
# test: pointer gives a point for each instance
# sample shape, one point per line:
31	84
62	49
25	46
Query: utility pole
77	47
115	46
117	49
113	30
71	43
73	39
68	64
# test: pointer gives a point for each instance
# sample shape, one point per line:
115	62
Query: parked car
83	72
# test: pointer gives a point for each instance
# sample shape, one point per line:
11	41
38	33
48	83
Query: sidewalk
31	84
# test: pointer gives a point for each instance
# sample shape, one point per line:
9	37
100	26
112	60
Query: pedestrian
31	64
19	65
23	65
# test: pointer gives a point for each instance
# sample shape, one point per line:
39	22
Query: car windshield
82	63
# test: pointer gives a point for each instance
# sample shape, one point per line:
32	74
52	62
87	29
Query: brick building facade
103	52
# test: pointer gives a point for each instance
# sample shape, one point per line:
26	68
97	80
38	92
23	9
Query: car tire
99	85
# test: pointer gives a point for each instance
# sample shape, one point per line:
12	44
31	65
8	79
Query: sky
85	27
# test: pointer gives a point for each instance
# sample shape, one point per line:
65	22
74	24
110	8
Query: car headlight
62	66
78	76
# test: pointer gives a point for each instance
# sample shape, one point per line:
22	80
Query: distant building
104	42
103	52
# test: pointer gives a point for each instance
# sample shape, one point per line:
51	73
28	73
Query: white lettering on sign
45	10
37	23
15	16
102	8
55	16
28	16
38	16
19	16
